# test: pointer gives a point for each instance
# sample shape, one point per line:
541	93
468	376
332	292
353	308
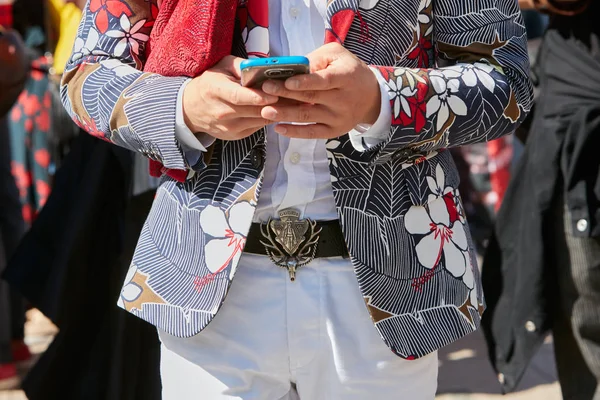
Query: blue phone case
273	61
257	70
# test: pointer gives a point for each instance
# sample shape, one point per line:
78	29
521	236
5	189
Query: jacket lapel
340	15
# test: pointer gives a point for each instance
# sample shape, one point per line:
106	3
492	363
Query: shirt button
295	158
294	12
501	378
530	327
582	225
256	159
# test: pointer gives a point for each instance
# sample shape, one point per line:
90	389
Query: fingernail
292	83
270	87
269	113
280	129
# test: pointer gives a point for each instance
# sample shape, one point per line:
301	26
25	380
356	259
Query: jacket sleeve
479	90
105	91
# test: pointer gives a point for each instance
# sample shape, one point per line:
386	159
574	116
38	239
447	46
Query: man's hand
526	4
340	92
215	103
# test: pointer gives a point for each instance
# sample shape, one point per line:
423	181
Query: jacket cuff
151	113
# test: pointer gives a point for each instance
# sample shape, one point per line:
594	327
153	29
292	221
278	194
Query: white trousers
274	339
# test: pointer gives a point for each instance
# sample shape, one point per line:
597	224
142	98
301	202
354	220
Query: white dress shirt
296	170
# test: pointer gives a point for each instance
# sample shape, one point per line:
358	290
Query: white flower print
478	72
411	75
399	95
469	281
444	233
368	4
83	49
424	18
329	146
130	36
445	101
442	237
443	226
437	185
131	290
228	241
119	68
257	41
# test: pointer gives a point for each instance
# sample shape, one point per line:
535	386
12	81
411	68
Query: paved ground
465	373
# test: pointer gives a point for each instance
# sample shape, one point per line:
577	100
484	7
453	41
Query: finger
277	88
323	56
236	95
304	113
326	79
243	124
231	64
236	68
247	132
228	112
315	131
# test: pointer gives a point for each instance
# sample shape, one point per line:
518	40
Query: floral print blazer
457	73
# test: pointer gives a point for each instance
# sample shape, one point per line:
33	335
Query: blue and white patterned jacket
457	73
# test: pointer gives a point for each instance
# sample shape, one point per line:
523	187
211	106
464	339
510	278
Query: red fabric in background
500	156
6	17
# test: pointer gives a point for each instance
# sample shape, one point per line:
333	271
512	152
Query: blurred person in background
14	69
485	168
535	23
29	120
24	130
81	242
542	270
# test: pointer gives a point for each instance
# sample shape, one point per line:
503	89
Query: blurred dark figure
71	266
541	273
12	306
535	22
478	215
29	118
13	74
72	262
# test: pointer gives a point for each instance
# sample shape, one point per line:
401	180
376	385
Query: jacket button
256	159
582	225
530	327
403	154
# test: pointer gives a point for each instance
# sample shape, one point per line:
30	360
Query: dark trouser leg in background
577	319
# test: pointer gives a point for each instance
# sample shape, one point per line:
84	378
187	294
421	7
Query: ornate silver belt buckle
289	241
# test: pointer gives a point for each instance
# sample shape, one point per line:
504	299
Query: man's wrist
374	101
186	137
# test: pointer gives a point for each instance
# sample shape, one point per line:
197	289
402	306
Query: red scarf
190	36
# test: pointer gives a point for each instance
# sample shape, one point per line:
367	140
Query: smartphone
257	70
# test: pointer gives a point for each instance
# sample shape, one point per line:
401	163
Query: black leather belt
291	242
